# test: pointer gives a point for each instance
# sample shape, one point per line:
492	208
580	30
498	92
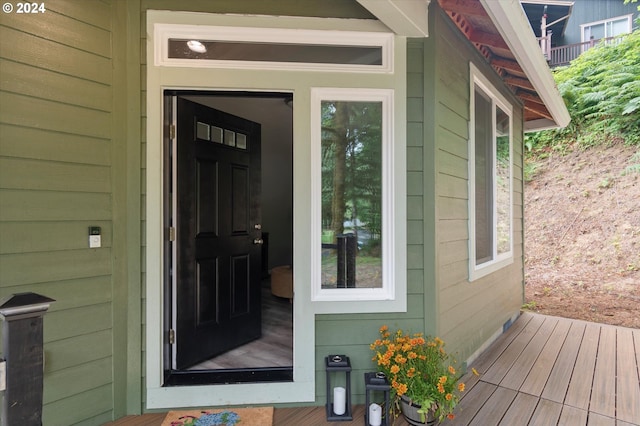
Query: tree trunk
339	171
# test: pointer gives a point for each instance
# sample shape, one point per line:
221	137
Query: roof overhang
502	34
404	17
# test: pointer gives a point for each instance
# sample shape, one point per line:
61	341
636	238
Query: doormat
259	416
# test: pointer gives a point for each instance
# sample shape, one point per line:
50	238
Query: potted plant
424	380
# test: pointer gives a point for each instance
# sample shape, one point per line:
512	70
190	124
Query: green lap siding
469	312
56	180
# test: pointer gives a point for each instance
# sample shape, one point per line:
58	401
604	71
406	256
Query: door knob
257	226
258	241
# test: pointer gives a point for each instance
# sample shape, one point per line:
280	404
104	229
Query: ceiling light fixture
196	46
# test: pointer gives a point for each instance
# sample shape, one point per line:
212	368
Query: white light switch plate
94	241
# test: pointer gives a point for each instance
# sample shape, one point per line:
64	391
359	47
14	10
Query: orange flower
440	388
448	397
395	369
412	355
384	328
402	389
461	387
452	370
451	416
442	380
411	372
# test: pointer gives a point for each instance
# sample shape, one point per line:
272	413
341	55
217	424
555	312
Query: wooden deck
543	371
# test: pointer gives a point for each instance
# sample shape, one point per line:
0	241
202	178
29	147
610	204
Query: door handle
258	241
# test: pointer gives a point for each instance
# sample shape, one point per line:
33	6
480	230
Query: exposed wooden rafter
537	108
528	96
507	65
487	39
473	21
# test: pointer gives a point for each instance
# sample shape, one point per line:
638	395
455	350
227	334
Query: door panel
218	205
206	210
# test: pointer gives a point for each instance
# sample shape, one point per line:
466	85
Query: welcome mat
259	416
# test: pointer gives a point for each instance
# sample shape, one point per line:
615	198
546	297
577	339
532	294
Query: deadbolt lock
258	241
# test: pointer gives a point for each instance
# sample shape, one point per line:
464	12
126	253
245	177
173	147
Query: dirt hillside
582	235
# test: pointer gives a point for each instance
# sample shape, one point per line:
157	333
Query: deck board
579	391
547	413
522	407
523	364
498	370
589	373
560	377
541	370
603	395
572	416
628	381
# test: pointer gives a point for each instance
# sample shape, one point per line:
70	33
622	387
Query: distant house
571	27
189	130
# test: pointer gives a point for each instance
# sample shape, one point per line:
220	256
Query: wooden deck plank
628	382
540	372
524	363
473	402
547	413
579	391
621	423
494	408
603	395
559	378
505	361
572	416
596	419
520	411
493	352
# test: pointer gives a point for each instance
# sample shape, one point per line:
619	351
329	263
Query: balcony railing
563	55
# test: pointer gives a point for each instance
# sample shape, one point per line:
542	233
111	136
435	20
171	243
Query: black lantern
338	398
376	382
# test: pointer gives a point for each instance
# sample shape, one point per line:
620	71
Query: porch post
22	343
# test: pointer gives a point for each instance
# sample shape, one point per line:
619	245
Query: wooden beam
507	64
520	82
487	39
538	109
528	96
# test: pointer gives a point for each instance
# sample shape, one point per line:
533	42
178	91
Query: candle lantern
376	383
338	398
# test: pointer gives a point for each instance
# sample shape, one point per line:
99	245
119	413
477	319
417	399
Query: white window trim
629	19
165	32
499	261
387	292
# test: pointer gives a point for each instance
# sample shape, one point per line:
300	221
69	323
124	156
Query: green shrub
601	89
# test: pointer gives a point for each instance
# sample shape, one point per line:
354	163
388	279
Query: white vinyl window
354	235
490	179
607	28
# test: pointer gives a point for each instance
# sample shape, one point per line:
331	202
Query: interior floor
273	349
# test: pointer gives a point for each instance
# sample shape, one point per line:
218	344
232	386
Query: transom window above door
274	48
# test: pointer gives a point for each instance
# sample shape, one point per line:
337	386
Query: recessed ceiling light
196	46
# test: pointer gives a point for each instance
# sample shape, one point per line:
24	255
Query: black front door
217	221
